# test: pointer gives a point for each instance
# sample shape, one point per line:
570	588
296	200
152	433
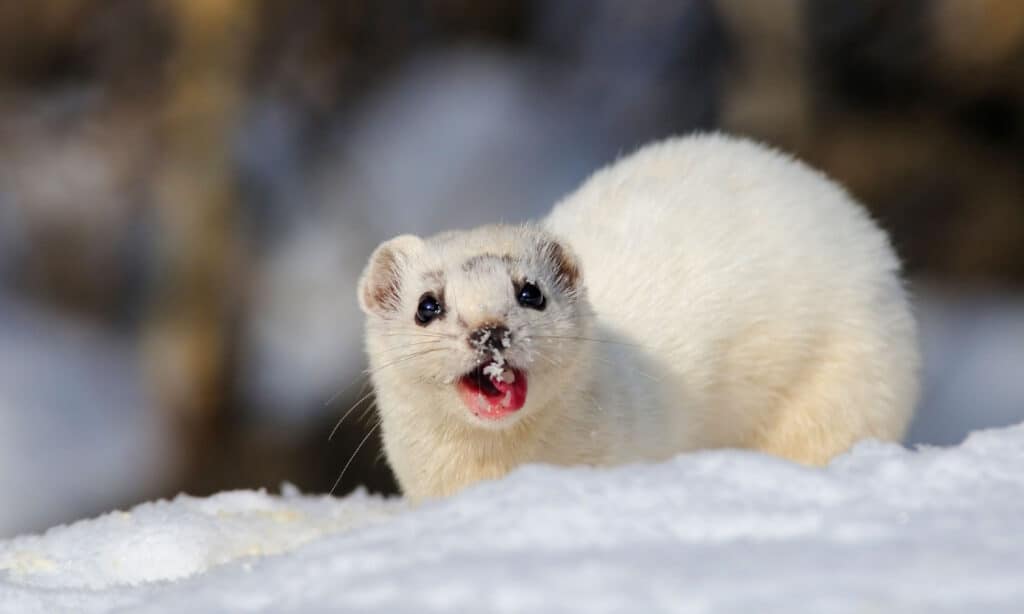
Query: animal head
478	324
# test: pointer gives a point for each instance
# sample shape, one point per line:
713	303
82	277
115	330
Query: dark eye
530	296
428	309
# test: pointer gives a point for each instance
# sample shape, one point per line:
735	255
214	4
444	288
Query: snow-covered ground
882	529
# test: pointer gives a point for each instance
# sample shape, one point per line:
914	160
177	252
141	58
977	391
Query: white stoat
702	292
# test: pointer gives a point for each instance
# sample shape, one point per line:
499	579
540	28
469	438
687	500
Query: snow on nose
495	337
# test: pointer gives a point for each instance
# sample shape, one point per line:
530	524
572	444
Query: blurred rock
79	431
973	376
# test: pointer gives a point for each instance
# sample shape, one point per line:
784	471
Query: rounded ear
564	263
381	282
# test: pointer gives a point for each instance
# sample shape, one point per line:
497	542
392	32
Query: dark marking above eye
486	257
434	278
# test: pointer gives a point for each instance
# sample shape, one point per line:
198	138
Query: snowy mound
881	529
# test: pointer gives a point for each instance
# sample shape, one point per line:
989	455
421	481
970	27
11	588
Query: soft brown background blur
189	188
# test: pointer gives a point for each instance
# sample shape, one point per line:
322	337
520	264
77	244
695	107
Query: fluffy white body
702	292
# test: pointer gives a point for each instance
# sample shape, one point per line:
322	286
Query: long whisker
409	345
550	361
366	410
407	358
423	334
591	339
351	458
630	367
362	377
571	317
347	412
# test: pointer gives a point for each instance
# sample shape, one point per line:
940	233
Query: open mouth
493	391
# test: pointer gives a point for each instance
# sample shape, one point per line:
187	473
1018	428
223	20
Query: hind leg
866	391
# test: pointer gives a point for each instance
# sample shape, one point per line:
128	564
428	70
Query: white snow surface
881	529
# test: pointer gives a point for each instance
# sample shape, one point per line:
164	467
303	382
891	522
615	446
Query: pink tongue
515	392
510	398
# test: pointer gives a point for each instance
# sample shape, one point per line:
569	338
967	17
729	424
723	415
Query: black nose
492	336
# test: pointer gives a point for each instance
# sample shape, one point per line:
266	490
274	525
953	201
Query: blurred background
189	189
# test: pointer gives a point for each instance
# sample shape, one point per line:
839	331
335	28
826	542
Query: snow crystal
494	371
880	529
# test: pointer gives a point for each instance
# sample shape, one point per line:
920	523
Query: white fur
730	297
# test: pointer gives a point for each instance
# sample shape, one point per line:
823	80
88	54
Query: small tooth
508	376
